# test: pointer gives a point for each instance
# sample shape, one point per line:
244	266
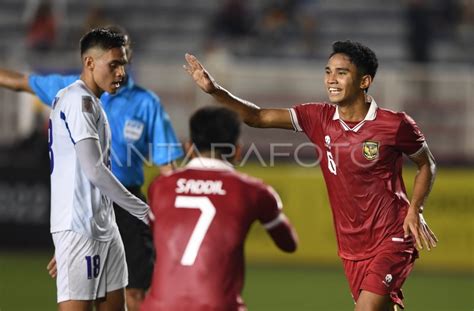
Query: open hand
416	226
200	75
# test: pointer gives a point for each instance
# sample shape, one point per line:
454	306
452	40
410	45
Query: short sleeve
81	115
409	138
305	116
46	87
166	147
269	206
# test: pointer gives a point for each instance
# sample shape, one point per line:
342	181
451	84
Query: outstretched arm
283	233
90	158
415	223
250	113
14	81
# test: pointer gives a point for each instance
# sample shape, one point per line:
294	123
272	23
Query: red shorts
383	274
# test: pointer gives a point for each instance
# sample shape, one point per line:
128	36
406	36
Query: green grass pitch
26	286
312	278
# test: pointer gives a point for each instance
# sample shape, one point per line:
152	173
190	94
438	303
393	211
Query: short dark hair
103	38
215	128
361	56
128	40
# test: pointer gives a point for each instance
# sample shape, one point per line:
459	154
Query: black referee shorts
138	243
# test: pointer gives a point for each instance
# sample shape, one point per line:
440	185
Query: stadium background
273	63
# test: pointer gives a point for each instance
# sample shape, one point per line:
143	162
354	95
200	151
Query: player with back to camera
361	147
139	124
204	212
91	266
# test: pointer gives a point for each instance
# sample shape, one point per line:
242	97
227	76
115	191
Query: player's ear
365	82
89	62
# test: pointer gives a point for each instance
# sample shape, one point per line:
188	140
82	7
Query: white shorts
87	268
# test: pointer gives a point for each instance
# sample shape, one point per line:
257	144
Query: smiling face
342	80
109	69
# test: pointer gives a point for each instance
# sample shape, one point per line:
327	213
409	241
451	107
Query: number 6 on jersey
207	214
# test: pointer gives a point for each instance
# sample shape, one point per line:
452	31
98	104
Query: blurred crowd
270	26
44	20
427	21
267	28
299	21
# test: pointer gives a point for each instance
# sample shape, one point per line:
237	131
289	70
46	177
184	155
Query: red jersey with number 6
362	167
203	214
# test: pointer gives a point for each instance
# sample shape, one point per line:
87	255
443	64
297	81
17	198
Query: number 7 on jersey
208	212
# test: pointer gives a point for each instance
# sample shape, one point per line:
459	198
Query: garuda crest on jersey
370	149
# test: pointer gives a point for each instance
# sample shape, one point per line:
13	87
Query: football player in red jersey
361	146
203	213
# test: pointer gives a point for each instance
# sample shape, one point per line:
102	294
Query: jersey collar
80	81
209	164
371	114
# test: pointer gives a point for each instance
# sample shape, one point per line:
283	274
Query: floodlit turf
25	286
316	288
443	280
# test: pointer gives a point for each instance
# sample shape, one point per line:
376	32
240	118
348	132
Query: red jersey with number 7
203	214
362	167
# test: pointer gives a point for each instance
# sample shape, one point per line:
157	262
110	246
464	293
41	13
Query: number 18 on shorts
87	268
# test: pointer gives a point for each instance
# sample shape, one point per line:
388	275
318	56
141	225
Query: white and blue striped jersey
76	204
141	128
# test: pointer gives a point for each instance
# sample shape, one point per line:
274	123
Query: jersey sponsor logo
388	280
370	150
331	163
199	186
133	130
87	104
327	142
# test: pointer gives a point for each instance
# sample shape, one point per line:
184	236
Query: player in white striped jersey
89	252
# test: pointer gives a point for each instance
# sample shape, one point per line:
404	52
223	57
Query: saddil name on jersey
76	204
362	167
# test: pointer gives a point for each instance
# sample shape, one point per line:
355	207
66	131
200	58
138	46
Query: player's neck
91	85
354	111
215	155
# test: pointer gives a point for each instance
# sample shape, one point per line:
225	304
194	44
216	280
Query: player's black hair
103	38
128	41
215	128
361	56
